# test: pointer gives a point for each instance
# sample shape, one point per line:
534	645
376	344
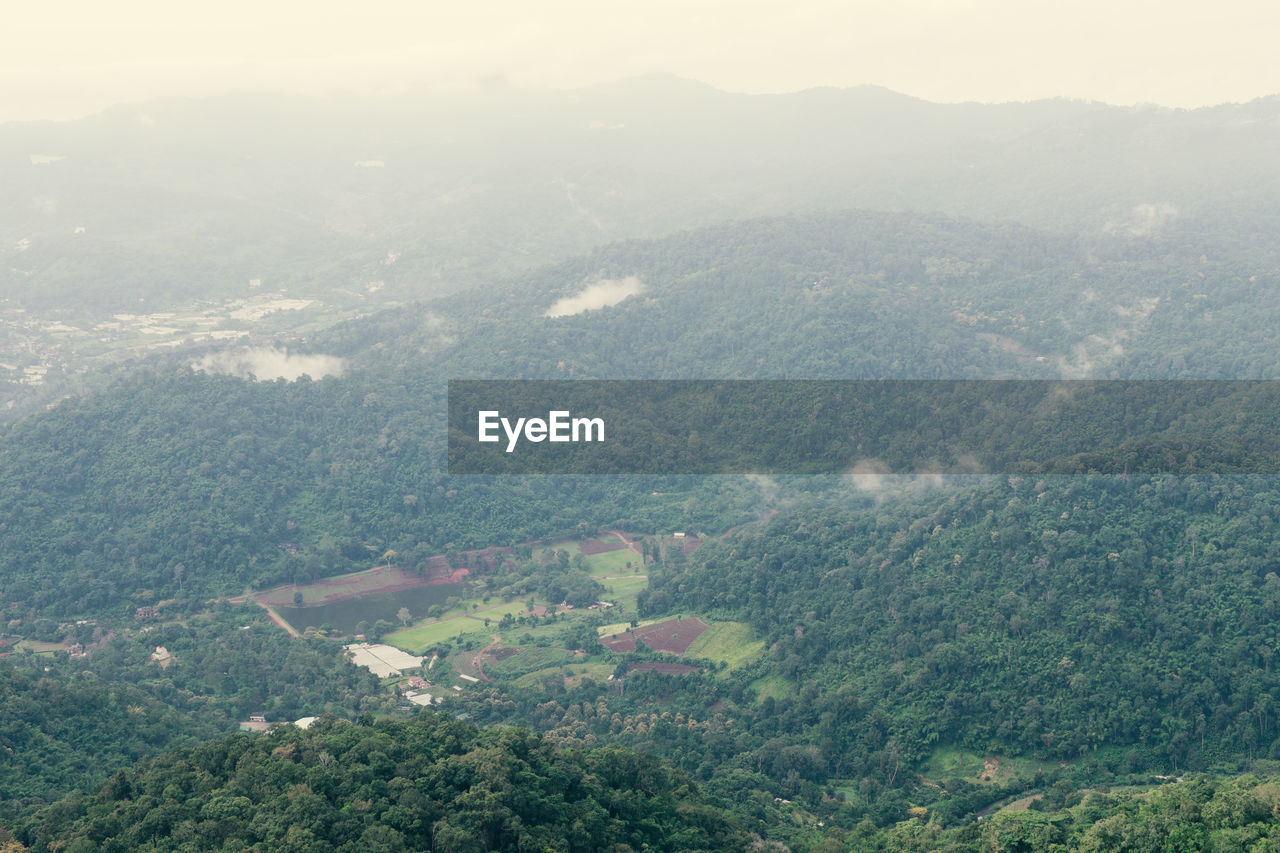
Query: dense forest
1050	617
428	784
70	722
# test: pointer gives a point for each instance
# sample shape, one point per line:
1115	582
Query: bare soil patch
673	636
620	642
382	579
595	546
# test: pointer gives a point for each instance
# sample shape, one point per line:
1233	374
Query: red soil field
595	546
379	580
383	579
674	635
621	643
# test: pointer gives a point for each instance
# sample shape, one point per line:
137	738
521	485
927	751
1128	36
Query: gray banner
896	426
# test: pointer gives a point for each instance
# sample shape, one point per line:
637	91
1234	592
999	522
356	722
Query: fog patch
601	294
869	475
268	363
1144	220
767	485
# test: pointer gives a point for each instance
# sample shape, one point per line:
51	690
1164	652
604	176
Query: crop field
42	648
624	642
729	643
602	545
673	635
670	635
346	613
419	638
605	556
623	627
383	579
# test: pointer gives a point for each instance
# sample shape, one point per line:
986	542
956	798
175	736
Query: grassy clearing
529	660
512	608
623	627
950	762
419	638
772	685
571	673
623	591
535	679
594	671
463	619
42	648
729	643
612	562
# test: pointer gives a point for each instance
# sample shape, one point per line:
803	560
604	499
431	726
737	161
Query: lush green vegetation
69	722
1047	617
431	783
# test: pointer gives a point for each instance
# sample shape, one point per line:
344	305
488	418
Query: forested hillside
1052	618
172	467
429	784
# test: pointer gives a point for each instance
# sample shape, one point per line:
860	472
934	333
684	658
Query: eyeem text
558	426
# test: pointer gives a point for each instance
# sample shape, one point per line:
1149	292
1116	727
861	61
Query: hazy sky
63	58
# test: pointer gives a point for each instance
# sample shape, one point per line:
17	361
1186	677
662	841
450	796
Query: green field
624	590
463	619
495	614
529	660
612	562
594	671
572	674
623	627
419	638
42	648
729	643
949	762
607	563
772	685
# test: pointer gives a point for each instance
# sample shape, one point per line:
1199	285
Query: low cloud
869	475
1144	220
269	363
601	294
